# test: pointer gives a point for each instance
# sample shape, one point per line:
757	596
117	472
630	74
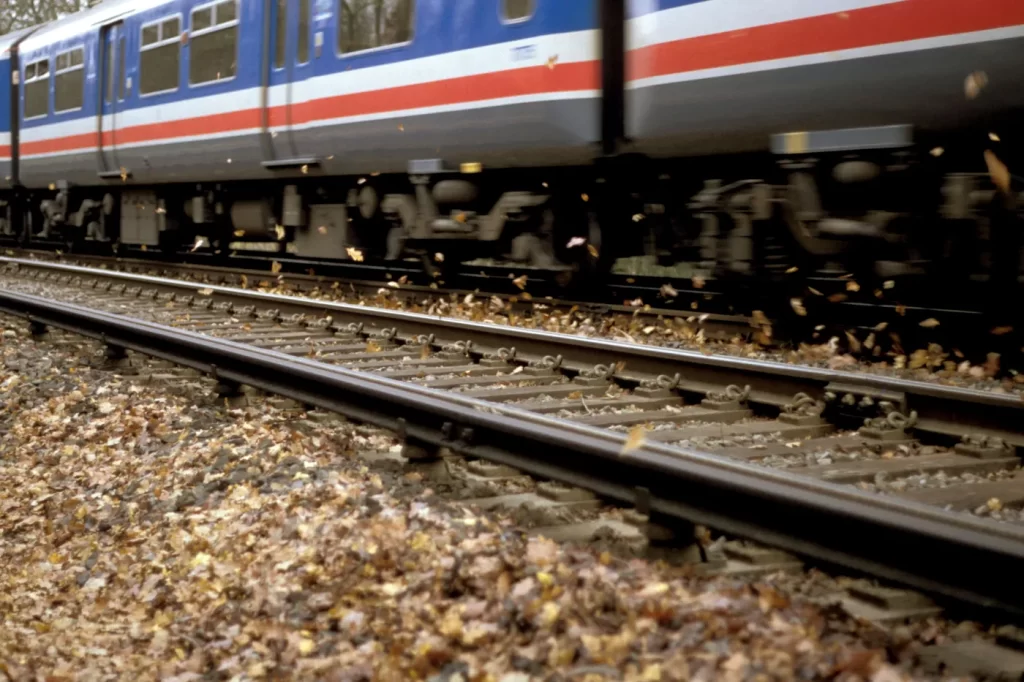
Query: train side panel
8	101
175	122
712	76
466	85
5	118
470	84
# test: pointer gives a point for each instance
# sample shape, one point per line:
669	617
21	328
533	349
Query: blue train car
8	102
199	96
146	101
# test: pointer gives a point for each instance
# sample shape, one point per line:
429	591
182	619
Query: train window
69	81
280	33
202	19
121	47
364	25
517	10
227	12
159	57
171	27
109	73
303	42
37	89
214	50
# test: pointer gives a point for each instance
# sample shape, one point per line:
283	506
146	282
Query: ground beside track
150	532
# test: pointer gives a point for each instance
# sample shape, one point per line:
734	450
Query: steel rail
971	560
947	410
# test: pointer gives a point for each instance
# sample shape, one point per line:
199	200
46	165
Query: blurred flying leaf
635	439
998	171
975	83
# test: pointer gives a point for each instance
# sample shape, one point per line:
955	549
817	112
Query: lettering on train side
524	53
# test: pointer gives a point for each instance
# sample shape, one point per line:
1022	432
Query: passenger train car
524	129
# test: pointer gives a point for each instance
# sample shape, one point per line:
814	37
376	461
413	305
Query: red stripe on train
879	25
572	77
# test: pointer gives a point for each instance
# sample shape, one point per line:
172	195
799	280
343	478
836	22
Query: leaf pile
149	534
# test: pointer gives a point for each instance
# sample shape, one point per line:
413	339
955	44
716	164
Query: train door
290	66
111	96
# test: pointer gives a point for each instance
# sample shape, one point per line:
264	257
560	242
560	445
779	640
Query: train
874	136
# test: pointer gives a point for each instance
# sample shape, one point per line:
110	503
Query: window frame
25	81
503	15
161	42
236	22
380	48
69	69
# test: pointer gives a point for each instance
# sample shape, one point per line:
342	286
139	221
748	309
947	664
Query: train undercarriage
865	202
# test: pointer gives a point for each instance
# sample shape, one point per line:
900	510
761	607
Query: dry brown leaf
798	306
372	346
930	323
592	250
974	84
698	282
999	331
520	281
205	292
275	267
998	171
635	439
852	286
668	291
354	253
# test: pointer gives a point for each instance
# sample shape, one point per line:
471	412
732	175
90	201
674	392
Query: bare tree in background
15	14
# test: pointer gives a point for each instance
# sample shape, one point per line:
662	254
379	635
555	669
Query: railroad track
867	324
776	453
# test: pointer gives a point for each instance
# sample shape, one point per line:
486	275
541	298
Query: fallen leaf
635	439
930	323
520	281
275	267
